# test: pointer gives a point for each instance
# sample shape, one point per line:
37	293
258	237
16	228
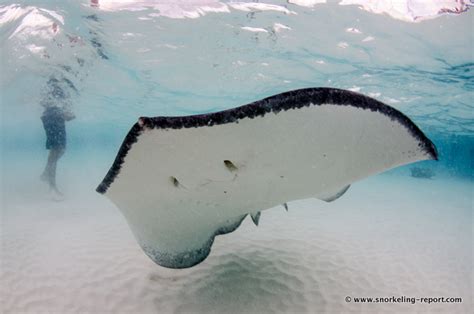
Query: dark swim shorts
55	128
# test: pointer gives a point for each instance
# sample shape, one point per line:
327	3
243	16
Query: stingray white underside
178	188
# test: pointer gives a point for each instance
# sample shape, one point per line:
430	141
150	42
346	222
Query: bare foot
56	195
44	177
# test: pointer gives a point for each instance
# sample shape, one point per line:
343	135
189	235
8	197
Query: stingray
181	181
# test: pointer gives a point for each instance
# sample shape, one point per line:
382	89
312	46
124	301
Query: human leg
49	173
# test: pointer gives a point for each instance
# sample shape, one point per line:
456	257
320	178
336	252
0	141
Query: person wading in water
57	110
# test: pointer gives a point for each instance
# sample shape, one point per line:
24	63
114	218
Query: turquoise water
391	234
126	64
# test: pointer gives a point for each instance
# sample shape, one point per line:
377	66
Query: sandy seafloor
389	235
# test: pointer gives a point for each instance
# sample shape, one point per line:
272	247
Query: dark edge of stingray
274	104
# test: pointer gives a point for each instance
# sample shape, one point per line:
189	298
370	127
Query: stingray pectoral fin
332	195
180	250
180	181
178	258
230	225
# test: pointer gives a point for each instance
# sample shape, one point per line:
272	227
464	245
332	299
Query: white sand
388	236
